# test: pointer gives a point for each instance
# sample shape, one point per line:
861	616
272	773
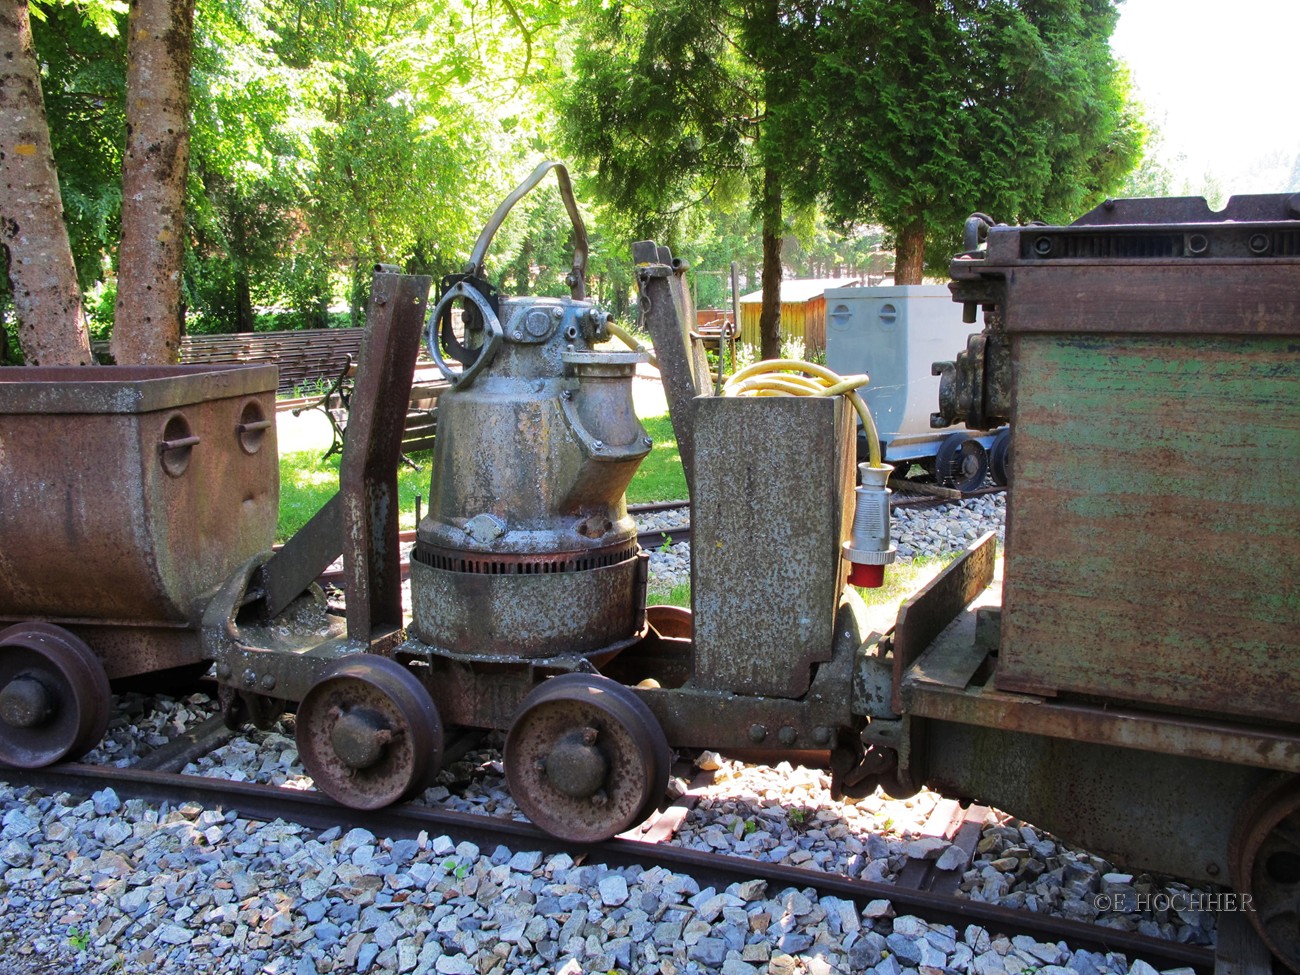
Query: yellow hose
798	378
627	339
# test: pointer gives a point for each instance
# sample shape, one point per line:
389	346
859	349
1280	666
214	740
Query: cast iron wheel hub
359	737
25	703
55	698
578	786
1265	855
576	766
368	732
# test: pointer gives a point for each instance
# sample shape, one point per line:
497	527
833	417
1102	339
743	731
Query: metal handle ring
491	329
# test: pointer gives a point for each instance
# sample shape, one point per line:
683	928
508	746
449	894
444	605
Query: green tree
927	110
688	102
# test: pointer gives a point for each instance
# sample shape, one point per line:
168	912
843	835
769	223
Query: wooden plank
1238	949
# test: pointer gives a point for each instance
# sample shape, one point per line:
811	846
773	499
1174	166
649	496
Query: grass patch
307	482
660	476
678	595
903	579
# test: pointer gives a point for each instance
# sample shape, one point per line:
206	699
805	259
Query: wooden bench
421	415
303	356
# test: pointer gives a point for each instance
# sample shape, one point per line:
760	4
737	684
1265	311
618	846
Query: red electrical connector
869	548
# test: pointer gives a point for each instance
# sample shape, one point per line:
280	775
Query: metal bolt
250	677
517	335
539	766
600	799
1259	244
648	441
598	444
1212	869
268	682
787	735
821	734
757	733
566	394
557	313
589	736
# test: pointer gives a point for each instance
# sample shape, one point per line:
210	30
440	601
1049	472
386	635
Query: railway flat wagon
1134	683
128	494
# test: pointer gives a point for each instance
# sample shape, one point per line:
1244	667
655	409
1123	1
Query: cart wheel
1000	458
368	733
585	758
1265	863
54	696
961	462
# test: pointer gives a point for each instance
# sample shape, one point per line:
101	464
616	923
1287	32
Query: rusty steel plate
671	621
585	759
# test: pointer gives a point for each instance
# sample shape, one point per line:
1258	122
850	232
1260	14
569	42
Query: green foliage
677	595
78	940
83	62
660	476
307	481
926	113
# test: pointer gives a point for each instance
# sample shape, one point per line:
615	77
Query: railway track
920	889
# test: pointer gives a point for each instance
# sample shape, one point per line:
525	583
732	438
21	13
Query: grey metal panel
768	515
894	334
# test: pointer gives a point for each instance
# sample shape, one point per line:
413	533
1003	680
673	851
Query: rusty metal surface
975	388
368	733
1148	527
1086	793
54	696
585	759
1250	208
667	313
1155	408
76	390
533	614
769	514
368	471
954	681
99	521
311	550
925	615
1203	299
527	548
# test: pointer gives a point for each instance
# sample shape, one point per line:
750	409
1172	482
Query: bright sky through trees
1218	79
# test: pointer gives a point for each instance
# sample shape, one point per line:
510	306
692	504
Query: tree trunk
245	320
909	257
51	322
147	322
769	319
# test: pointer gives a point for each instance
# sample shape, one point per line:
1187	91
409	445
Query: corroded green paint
1152	549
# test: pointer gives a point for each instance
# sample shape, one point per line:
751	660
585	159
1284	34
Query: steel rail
311	809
